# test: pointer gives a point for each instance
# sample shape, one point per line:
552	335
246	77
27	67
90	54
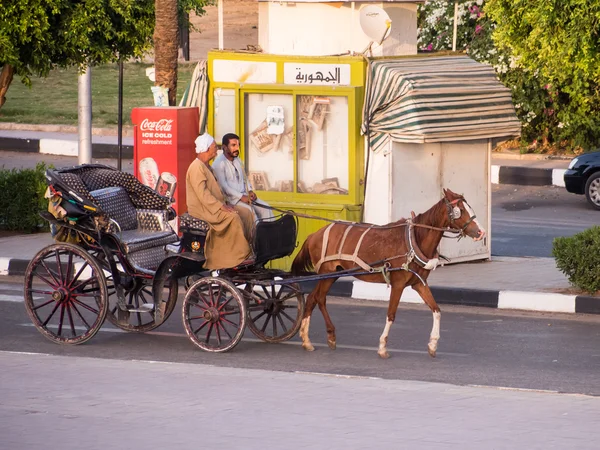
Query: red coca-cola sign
158	125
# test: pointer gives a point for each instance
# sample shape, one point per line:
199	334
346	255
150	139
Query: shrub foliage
22	199
578	257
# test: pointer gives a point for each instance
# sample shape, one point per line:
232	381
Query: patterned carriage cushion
153	220
140	195
188	221
77	185
136	240
115	202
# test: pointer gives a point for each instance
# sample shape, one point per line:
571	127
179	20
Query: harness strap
345	257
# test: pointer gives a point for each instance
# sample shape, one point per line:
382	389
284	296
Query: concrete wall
319	29
410	177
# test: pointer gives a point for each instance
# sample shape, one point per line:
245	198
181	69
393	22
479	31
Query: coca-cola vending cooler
163	149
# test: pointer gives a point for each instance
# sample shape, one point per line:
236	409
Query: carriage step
145	308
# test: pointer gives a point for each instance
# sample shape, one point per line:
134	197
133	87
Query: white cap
203	142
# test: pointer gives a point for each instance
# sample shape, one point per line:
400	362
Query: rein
364	225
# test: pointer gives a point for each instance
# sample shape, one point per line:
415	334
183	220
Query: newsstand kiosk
164	148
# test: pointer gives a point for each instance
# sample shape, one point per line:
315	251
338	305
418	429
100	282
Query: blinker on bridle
454	213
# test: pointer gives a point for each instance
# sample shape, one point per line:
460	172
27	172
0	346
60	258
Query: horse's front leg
395	295
427	297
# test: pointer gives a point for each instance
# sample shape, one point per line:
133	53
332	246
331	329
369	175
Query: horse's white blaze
472	214
435	331
384	336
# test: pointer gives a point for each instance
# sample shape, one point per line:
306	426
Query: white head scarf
203	142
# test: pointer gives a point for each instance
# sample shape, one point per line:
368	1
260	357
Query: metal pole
184	37
455	25
84	114
220	19
120	117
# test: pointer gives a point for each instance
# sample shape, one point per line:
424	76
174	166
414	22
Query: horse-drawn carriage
117	257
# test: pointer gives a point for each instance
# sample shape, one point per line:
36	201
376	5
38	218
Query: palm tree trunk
166	46
6	77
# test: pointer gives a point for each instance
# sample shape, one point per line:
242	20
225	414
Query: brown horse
402	253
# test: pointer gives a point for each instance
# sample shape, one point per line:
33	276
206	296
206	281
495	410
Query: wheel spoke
35	308
43	263
266	322
76	277
51	314
69	263
233	324
48	282
62	317
225	330
80	316
209	333
37	291
88	307
220	308
60	274
201	326
283	313
260	315
278	316
83	283
212	298
71	319
218	334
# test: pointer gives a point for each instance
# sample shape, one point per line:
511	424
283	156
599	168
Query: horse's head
462	217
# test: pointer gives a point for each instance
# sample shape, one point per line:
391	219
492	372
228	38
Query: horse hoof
384	355
331	344
308	347
431	352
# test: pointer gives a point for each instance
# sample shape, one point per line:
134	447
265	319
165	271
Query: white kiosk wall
414	176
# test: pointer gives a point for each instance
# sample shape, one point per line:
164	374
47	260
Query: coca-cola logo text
159	125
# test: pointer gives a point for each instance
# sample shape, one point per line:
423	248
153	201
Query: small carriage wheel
139	297
214	314
275	312
65	294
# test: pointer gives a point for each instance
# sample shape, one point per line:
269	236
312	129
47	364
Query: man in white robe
232	178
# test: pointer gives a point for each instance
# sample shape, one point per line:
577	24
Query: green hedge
22	199
578	257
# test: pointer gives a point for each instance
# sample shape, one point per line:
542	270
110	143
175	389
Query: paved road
526	219
477	347
123	391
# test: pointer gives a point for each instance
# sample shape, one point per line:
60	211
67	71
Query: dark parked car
583	177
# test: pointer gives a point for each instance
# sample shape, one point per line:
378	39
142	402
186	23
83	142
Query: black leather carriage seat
143	233
275	238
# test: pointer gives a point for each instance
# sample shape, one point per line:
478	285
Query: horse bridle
454	213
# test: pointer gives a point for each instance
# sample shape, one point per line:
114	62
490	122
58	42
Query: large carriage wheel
214	314
275	312
65	294
139	299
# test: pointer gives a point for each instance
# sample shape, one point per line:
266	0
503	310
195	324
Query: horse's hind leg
321	297
395	295
317	296
427	297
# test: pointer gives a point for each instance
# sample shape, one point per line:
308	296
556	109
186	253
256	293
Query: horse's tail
302	264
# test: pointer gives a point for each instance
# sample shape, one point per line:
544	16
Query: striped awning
196	94
435	99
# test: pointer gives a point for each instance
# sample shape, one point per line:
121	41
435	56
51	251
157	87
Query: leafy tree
540	103
559	42
37	36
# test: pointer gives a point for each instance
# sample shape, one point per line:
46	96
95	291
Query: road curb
63	147
527	176
486	298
